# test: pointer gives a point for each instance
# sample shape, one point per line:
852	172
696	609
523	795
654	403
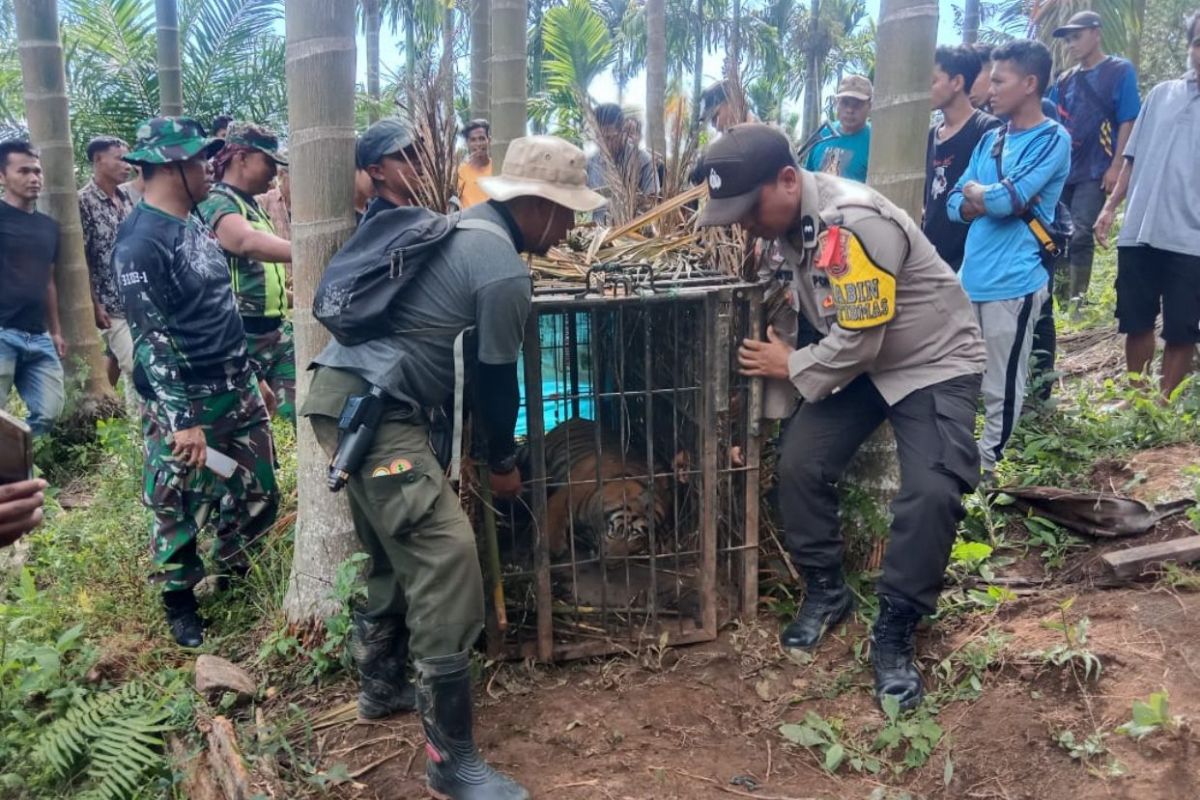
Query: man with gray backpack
402	299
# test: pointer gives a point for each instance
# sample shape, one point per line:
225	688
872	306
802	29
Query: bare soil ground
703	722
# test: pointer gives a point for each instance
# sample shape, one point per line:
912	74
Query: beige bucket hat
546	167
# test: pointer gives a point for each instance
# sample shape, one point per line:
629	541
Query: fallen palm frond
663	244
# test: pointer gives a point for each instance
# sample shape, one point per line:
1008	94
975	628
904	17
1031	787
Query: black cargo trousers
939	461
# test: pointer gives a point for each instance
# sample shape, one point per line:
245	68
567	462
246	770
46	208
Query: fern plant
117	735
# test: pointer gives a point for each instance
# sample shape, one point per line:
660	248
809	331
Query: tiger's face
628	509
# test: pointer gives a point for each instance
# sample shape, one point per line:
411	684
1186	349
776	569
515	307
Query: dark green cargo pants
424	565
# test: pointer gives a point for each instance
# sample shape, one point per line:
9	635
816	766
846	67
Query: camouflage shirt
260	286
101	216
188	339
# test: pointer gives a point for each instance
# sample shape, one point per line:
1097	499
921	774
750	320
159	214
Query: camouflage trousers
273	358
184	499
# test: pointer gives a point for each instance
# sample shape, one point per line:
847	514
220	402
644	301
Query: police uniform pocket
954	416
401	493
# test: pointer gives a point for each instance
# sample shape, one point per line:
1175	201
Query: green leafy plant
117	734
1149	716
1054	541
916	734
819	734
1072	650
1084	749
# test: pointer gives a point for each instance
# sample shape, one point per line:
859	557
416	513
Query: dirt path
703	723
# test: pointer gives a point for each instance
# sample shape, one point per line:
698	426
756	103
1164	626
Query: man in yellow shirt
478	134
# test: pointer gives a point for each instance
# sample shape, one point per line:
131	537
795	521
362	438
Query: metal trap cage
639	521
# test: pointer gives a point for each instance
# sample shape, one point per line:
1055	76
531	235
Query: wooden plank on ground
1133	562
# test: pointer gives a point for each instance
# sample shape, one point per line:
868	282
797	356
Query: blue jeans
30	362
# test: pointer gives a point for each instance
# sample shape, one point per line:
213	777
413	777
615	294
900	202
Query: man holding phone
191	366
20	509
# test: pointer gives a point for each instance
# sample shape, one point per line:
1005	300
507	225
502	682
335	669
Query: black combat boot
454	769
185	622
892	653
827	601
380	648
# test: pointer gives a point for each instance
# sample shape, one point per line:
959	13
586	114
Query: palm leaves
578	48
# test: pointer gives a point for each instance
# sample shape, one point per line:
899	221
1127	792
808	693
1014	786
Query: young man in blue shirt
845	152
1097	102
1002	268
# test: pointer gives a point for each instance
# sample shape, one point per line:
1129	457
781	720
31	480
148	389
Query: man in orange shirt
478	134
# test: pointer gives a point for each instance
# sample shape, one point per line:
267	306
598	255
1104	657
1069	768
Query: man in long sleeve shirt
190	366
900	344
1018	167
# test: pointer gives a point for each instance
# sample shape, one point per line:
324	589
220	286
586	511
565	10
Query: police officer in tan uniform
900	343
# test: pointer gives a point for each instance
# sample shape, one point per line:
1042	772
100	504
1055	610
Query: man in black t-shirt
31	342
950	145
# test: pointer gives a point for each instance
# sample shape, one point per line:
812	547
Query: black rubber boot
380	649
454	769
186	626
892	653
827	601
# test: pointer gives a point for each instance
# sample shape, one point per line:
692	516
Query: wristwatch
504	465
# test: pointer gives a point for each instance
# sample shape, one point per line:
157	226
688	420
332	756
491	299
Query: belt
261	324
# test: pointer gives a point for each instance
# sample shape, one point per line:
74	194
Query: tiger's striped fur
618	511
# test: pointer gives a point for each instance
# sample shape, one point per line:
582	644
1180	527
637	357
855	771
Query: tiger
619	512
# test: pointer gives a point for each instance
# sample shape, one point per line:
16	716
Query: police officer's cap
735	166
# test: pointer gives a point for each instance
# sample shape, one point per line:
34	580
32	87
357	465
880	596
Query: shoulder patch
863	292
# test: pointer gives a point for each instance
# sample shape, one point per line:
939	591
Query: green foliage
1149	716
1081	750
1055	542
904	742
1072	651
117	734
578	48
963	672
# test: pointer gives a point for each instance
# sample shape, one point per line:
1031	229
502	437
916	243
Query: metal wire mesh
639	521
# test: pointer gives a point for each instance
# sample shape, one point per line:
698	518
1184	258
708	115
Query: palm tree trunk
537	75
812	70
656	76
509	59
971	21
735	43
698	71
900	112
170	84
481	54
446	73
372	25
900	122
50	130
320	80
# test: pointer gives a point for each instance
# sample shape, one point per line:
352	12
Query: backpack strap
1039	229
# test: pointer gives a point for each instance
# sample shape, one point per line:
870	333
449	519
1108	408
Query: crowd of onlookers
1012	152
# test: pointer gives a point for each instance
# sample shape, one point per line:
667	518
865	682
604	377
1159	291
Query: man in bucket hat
245	167
191	368
424	588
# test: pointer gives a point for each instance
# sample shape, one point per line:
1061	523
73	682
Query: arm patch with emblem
863	291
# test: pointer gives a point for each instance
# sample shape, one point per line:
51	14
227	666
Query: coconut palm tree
372	21
170	86
656	76
508	75
45	85
320	82
481	52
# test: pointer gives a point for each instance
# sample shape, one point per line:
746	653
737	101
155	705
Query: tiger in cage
620	510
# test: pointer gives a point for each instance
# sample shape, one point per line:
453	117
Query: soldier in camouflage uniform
191	367
257	257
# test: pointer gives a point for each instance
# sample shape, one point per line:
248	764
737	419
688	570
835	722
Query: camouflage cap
163	140
260	139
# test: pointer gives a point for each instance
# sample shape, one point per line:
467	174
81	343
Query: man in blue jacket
1014	168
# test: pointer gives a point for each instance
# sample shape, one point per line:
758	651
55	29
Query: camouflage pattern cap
163	140
260	139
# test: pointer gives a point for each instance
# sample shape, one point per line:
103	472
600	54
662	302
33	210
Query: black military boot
454	769
380	649
827	601
892	653
185	622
